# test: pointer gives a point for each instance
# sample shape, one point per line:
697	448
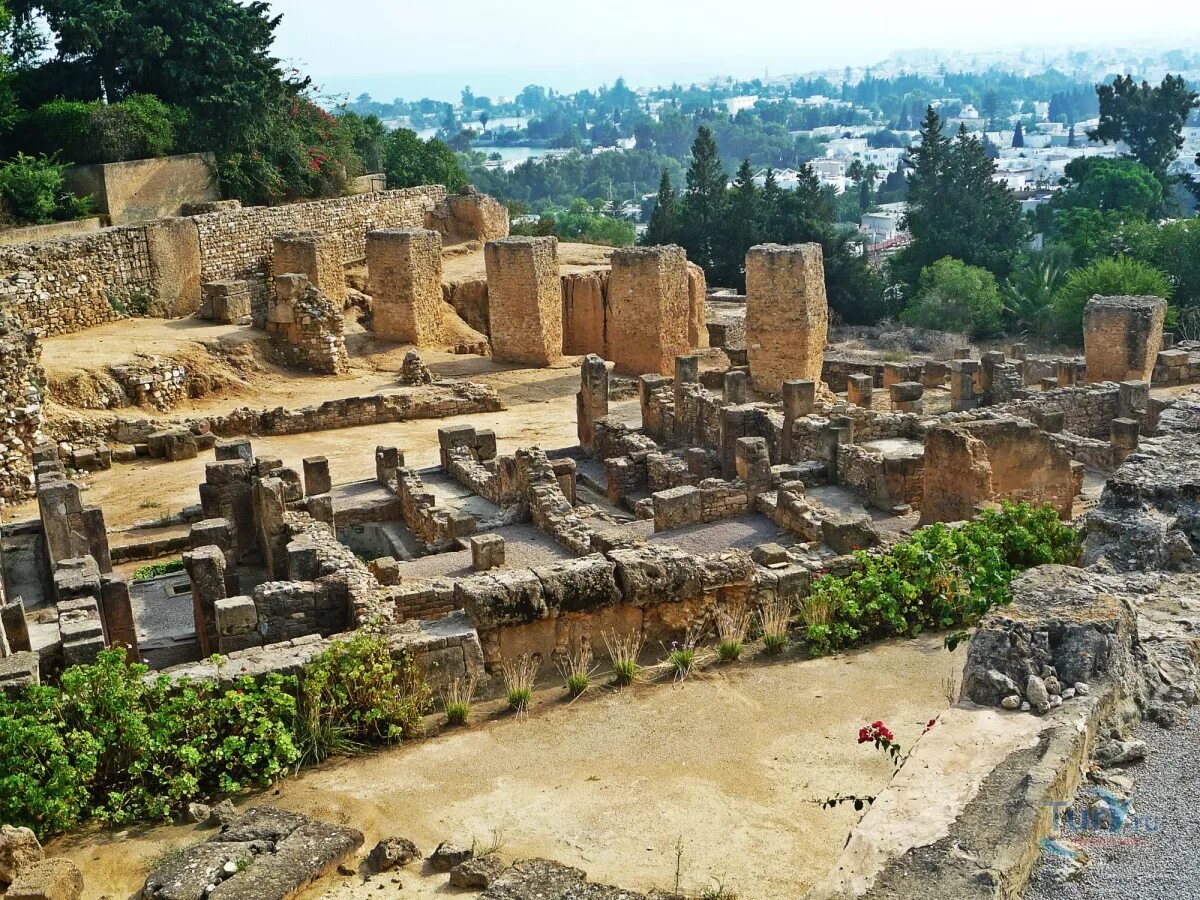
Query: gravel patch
1153	855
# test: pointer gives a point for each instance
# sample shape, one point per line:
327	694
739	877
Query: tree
1122	185
956	208
1108	278
1018	140
742	229
1148	119
484	118
990	108
408	162
954	296
662	227
702	208
1029	290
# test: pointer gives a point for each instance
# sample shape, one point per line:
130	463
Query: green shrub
953	296
140	127
153	570
111	744
356	693
32	191
1109	278
942	577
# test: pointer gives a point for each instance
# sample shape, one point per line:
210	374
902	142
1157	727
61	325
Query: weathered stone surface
525	300
545	879
392	852
787	315
19	849
648	309
447	855
1122	337
477	872
56	878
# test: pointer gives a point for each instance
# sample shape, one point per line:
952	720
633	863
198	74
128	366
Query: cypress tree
661	229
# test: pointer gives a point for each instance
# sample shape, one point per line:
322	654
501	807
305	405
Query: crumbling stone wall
524	300
308	324
1122	337
585	311
316	256
649	309
787	315
21	376
405	271
974	463
470	216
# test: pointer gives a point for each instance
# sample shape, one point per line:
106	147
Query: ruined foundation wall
787	315
20	410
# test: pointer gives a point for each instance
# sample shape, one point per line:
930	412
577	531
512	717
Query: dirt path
728	763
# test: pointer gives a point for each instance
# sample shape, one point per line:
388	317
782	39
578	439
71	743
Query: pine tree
1018	136
661	229
1071	137
702	208
957	208
743	223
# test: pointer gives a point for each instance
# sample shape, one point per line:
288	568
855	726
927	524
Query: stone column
524	300
906	396
799	398
117	615
736	388
860	390
316	476
962	385
1122	337
405	271
313	255
787	315
648	309
591	402
206	569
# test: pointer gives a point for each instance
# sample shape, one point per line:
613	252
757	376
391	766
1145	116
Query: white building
846	148
881	225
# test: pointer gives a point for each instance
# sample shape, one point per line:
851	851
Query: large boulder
47	879
19	849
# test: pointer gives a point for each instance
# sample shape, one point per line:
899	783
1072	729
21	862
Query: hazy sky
434	47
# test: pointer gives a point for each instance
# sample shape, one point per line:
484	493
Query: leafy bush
356	693
31	189
140	127
110	743
153	570
940	578
1109	278
953	296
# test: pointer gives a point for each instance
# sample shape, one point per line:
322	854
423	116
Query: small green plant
150	503
32	191
624	652
491	848
718	892
682	659
356	693
153	570
576	669
732	625
457	701
519	676
774	618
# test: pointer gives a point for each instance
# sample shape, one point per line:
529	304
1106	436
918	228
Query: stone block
737	387
405	271
525	300
316	476
649	309
56	878
1122	336
239	449
860	390
487	552
677	507
235	615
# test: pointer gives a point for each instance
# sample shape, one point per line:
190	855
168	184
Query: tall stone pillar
524	300
405	270
206	569
787	315
648	309
799	398
591	403
1122	337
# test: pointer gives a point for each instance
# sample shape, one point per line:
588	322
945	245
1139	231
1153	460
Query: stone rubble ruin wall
308	325
21	376
787	315
67	285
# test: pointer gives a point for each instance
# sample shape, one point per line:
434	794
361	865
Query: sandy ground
571	258
728	763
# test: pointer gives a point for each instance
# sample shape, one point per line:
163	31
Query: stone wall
975	463
787	315
66	285
308	326
524	300
20	409
139	190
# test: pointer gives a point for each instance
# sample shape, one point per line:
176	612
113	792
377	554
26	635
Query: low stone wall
21	375
654	592
138	190
1086	411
